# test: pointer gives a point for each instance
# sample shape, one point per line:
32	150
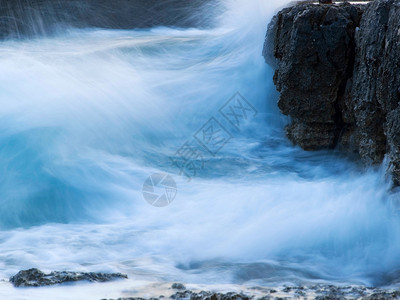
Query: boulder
35	277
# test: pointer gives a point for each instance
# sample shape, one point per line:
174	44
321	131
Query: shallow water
88	115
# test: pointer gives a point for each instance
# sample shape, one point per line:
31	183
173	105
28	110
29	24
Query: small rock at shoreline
178	286
319	292
36	278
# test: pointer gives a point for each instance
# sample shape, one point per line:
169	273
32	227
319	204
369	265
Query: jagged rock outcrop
20	18
338	73
376	85
314	47
35	277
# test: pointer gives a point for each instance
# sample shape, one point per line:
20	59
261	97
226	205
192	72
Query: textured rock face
37	17
338	71
35	277
314	45
376	87
318	292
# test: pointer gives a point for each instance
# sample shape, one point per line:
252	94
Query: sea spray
89	114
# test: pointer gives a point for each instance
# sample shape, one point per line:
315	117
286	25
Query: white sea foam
87	115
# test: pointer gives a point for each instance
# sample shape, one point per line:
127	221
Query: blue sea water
88	115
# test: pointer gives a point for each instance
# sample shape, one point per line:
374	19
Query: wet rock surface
376	86
35	277
338	74
178	286
319	292
314	47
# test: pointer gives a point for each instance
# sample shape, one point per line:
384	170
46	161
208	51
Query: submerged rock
338	74
178	286
35	277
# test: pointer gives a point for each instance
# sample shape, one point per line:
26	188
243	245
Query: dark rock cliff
314	46
376	87
338	74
